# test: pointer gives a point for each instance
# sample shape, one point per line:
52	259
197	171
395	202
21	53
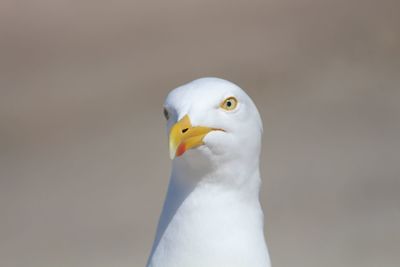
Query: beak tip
172	152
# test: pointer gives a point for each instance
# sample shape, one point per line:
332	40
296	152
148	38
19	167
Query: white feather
212	216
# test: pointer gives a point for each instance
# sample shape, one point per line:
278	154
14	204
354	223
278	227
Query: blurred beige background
83	151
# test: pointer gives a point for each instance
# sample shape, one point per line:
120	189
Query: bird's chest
213	232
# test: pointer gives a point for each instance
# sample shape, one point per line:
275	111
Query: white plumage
212	216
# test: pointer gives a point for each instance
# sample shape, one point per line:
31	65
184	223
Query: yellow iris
229	104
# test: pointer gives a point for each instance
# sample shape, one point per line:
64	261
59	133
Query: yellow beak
184	136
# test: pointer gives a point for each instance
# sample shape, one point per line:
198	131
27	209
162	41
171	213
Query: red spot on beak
181	149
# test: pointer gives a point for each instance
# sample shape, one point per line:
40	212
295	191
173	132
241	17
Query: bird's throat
206	218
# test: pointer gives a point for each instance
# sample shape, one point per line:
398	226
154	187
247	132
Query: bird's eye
229	104
166	114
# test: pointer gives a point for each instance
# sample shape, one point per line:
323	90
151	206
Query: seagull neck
241	178
218	203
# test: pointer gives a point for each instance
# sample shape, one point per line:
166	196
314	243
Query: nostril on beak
185	130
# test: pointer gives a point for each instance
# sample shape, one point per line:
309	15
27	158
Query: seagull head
214	120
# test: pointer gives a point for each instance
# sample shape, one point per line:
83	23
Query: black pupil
166	115
229	103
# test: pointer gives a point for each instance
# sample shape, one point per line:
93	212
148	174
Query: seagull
212	215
